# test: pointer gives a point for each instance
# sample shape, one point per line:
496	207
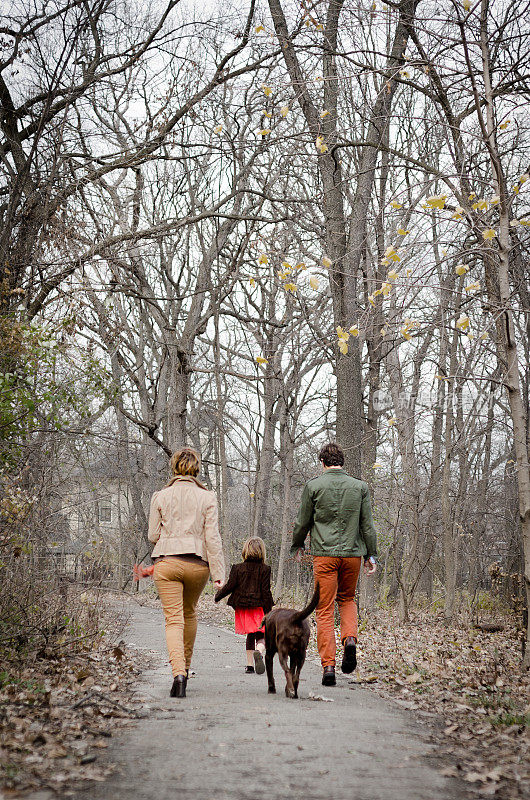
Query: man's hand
370	567
298	555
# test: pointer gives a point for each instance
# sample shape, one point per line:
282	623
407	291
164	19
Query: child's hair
254	549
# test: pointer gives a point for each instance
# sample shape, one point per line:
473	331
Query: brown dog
287	633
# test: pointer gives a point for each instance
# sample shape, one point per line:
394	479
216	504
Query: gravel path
230	740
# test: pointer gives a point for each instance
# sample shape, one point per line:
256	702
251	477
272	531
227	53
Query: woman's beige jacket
183	519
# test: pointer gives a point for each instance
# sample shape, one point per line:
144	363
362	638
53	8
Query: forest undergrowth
61	703
469	680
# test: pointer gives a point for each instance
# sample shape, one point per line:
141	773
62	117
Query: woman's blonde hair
254	549
185	462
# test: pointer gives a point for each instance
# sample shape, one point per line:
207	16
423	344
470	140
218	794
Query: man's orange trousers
338	581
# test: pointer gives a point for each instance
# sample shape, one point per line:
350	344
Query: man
335	510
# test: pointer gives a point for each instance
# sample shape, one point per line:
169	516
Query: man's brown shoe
328	677
349	659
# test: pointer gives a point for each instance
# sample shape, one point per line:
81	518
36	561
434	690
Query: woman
183	525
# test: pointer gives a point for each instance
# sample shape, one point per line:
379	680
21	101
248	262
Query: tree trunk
499	263
286	526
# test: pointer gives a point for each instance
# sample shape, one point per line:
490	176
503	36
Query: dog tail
310	608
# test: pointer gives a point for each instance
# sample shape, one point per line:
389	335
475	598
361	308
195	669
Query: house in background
99	536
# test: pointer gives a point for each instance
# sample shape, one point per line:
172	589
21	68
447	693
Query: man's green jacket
335	510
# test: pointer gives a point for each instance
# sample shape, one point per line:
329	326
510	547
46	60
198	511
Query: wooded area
255	228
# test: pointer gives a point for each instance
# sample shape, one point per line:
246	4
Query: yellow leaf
266	90
382	331
392	421
441	377
371	299
252	282
495	200
300	265
473	287
376	465
396	205
437	201
391	254
324	114
327	262
259	28
263	259
484	335
523	178
321	145
402	231
267	114
386	288
290	287
284	110
286	265
313	282
343	346
262	360
489	234
354	330
392	275
405	334
404	73
462	322
218	129
472	195
461	269
515	188
319	27
264	132
514	223
466	4
504	125
481	205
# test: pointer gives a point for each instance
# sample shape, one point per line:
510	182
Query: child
249	587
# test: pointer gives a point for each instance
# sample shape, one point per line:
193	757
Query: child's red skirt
248	620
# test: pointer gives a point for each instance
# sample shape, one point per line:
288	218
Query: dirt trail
230	740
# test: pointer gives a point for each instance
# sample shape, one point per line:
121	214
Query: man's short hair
331	455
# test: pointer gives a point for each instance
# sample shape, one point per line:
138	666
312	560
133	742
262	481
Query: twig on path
96	698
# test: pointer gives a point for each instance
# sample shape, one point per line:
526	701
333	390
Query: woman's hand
217	584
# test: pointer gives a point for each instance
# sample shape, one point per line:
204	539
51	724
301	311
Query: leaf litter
58	714
468	679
